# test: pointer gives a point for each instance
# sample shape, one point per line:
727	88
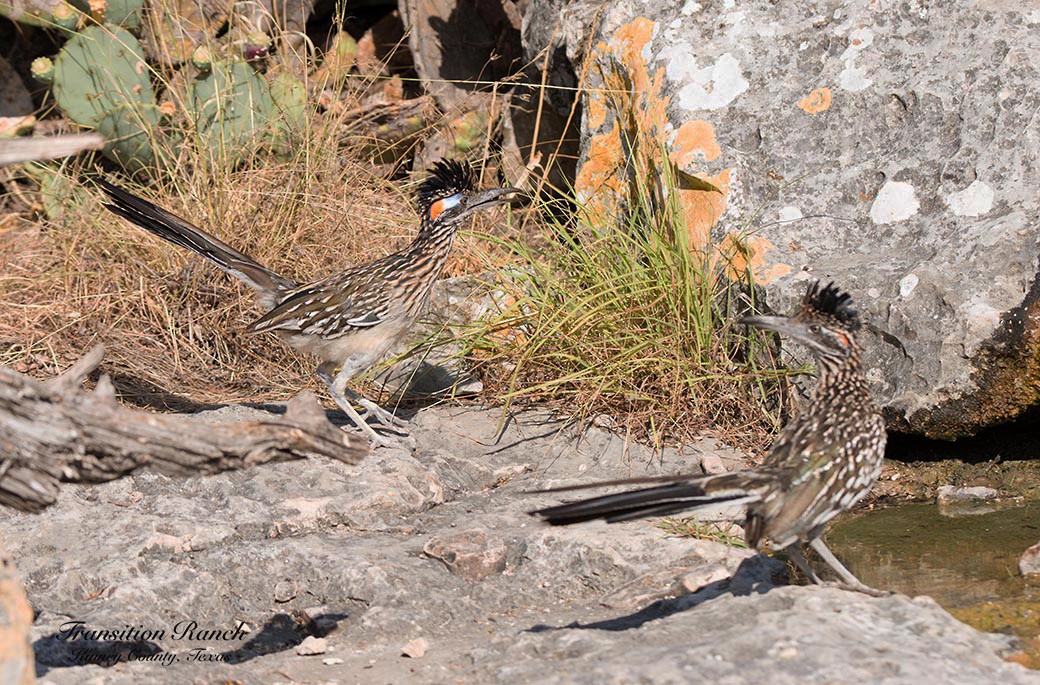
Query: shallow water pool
967	562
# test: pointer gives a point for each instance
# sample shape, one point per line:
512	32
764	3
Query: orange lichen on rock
597	181
702	208
770	274
693	138
819	100
740	253
631	39
596	110
634	94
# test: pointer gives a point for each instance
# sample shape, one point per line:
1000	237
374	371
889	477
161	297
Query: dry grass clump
635	321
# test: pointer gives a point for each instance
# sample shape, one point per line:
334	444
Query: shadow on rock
58	651
753	576
282	632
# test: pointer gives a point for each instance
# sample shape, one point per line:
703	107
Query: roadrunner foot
344	404
860	587
383	416
375	438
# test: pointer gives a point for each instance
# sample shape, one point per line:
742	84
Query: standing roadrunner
824	461
349	319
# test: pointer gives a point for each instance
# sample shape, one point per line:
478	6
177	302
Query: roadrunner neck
433	243
840	378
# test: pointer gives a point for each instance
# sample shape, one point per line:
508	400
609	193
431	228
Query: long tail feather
683	495
639	480
176	230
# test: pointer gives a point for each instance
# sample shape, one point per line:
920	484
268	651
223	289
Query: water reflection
969	564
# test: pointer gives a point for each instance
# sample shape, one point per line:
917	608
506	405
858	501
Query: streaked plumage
824	461
348	319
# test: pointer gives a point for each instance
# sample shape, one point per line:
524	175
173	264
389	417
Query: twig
17	150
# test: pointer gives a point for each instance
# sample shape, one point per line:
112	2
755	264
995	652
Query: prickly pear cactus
336	64
233	108
125	13
43	70
290	101
47	13
101	80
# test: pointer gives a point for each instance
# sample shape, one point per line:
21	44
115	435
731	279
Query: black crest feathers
446	178
831	302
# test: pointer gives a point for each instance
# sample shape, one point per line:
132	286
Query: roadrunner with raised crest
826	458
352	318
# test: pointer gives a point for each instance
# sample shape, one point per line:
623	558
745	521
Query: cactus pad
101	80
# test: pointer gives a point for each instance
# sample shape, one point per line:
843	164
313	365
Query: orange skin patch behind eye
436	208
845	339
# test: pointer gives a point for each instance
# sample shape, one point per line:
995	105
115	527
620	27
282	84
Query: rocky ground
420	566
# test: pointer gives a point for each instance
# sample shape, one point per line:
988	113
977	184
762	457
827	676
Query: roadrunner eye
447	203
814	328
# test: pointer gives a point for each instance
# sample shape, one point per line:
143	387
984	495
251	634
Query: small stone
416	649
332	661
316	612
950	494
711	464
1029	562
471	554
284	591
312	646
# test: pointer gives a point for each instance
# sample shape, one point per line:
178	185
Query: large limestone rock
319	572
455	41
894	149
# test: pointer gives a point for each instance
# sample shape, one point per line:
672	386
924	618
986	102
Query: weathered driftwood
17	150
55	431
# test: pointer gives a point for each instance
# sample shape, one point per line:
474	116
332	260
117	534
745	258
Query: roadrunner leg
851	581
794	553
383	416
337	386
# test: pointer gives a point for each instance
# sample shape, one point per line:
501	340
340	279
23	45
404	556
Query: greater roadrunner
349	319
826	458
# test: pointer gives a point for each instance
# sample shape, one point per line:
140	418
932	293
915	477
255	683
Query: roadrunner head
825	322
449	194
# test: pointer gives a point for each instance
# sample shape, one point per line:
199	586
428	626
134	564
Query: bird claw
383	441
376	439
864	589
384	417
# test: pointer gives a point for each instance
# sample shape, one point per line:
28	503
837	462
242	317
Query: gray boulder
314	571
893	149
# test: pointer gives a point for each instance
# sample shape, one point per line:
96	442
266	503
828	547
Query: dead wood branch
56	432
18	150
